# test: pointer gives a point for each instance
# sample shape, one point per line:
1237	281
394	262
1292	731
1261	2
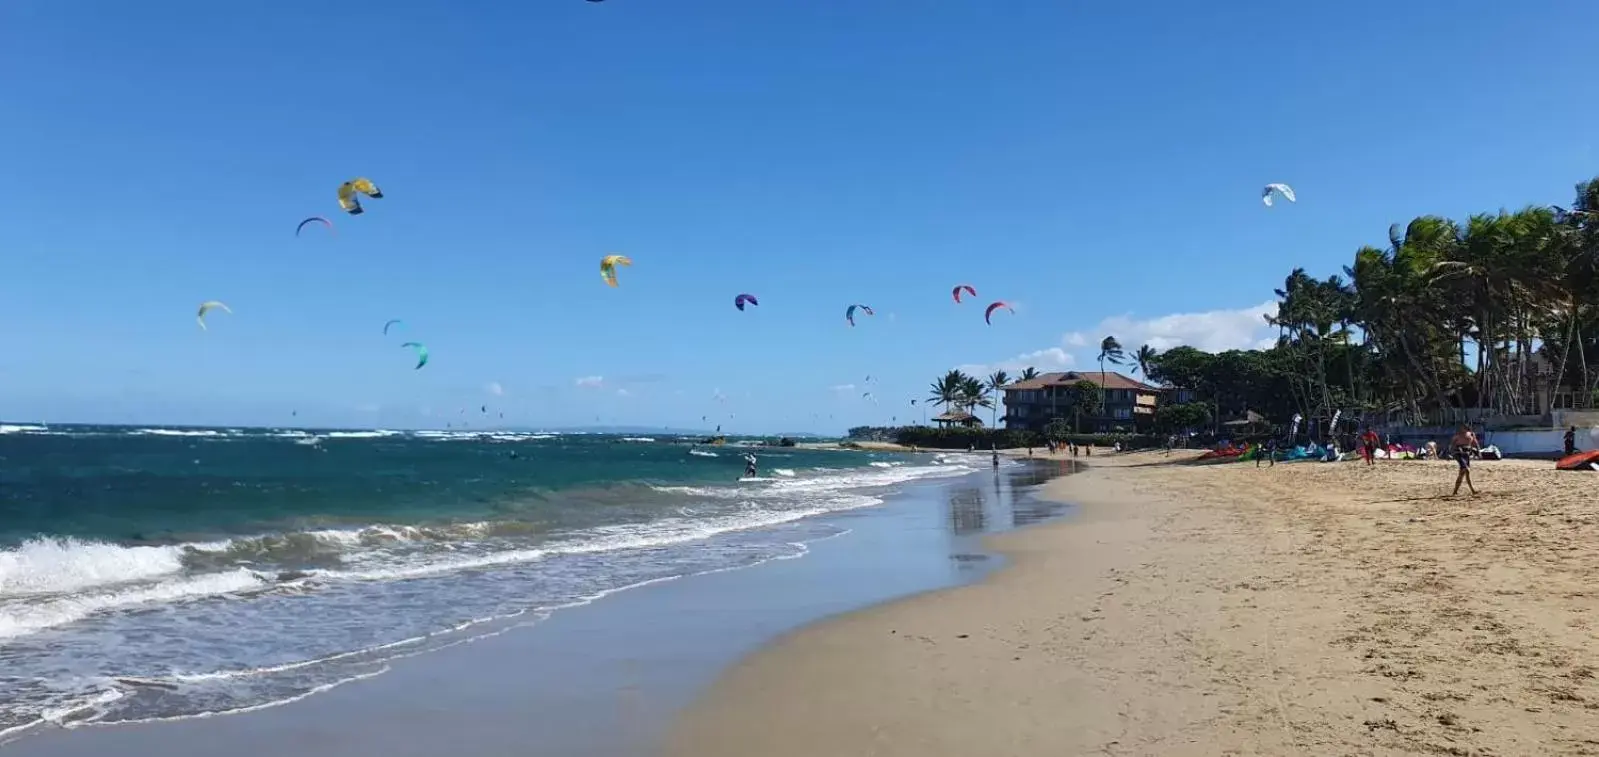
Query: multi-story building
1032	404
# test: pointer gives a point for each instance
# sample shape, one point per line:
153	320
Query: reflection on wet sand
1008	502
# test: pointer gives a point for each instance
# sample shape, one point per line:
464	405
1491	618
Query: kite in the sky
421	353
313	219
390	323
1283	189
608	266
992	308
348	191
967	288
743	299
208	306
849	314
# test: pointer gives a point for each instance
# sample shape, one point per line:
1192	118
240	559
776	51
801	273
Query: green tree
949	391
1028	374
1085	397
1110	351
997	381
1177	418
1143	358
973	394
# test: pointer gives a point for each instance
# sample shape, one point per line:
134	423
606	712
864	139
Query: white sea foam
21	428
54	566
374	434
20	618
658	533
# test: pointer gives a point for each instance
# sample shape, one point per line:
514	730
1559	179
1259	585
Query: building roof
957	416
1111	380
1250	416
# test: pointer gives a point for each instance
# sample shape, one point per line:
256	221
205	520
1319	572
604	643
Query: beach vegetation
1446	321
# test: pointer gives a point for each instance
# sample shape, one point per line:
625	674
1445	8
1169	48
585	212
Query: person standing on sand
1463	445
1571	440
1368	446
1269	452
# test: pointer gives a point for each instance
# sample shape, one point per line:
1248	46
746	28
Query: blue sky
1096	164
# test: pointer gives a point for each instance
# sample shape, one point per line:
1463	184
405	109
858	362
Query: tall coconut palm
1143	358
972	394
949	390
996	382
1110	351
1028	374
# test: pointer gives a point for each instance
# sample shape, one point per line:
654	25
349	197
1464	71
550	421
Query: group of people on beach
1071	448
1462	447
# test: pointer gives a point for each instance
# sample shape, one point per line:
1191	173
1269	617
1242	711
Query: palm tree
949	391
1110	351
997	381
1143	358
972	394
1028	374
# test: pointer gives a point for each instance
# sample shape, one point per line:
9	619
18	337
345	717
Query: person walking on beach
996	459
1368	446
1571	440
1463	445
1269	452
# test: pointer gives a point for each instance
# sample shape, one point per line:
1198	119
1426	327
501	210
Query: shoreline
608	677
1305	608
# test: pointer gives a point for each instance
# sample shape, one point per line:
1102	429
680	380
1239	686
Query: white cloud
841	388
495	389
1211	331
591	382
1045	360
623	393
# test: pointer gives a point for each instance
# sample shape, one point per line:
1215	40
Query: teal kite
421	353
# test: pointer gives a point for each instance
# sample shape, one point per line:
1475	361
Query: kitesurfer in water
749	465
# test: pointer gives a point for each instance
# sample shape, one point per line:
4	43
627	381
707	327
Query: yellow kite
608	266
349	189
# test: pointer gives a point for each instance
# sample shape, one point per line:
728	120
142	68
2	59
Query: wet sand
1307	609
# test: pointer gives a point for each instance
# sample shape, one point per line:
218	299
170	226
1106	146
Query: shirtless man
1463	445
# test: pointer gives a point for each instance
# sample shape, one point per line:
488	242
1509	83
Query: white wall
1551	442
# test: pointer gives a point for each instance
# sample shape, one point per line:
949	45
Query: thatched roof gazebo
957	418
1250	419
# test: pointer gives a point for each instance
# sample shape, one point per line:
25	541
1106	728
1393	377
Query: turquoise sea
157	573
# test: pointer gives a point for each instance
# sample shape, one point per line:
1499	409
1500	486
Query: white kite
1282	189
208	306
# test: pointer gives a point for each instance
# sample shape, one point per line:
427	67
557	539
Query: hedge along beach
1208	610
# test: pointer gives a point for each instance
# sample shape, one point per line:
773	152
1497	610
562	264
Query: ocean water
149	574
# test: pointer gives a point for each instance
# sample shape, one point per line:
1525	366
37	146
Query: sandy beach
1318	609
